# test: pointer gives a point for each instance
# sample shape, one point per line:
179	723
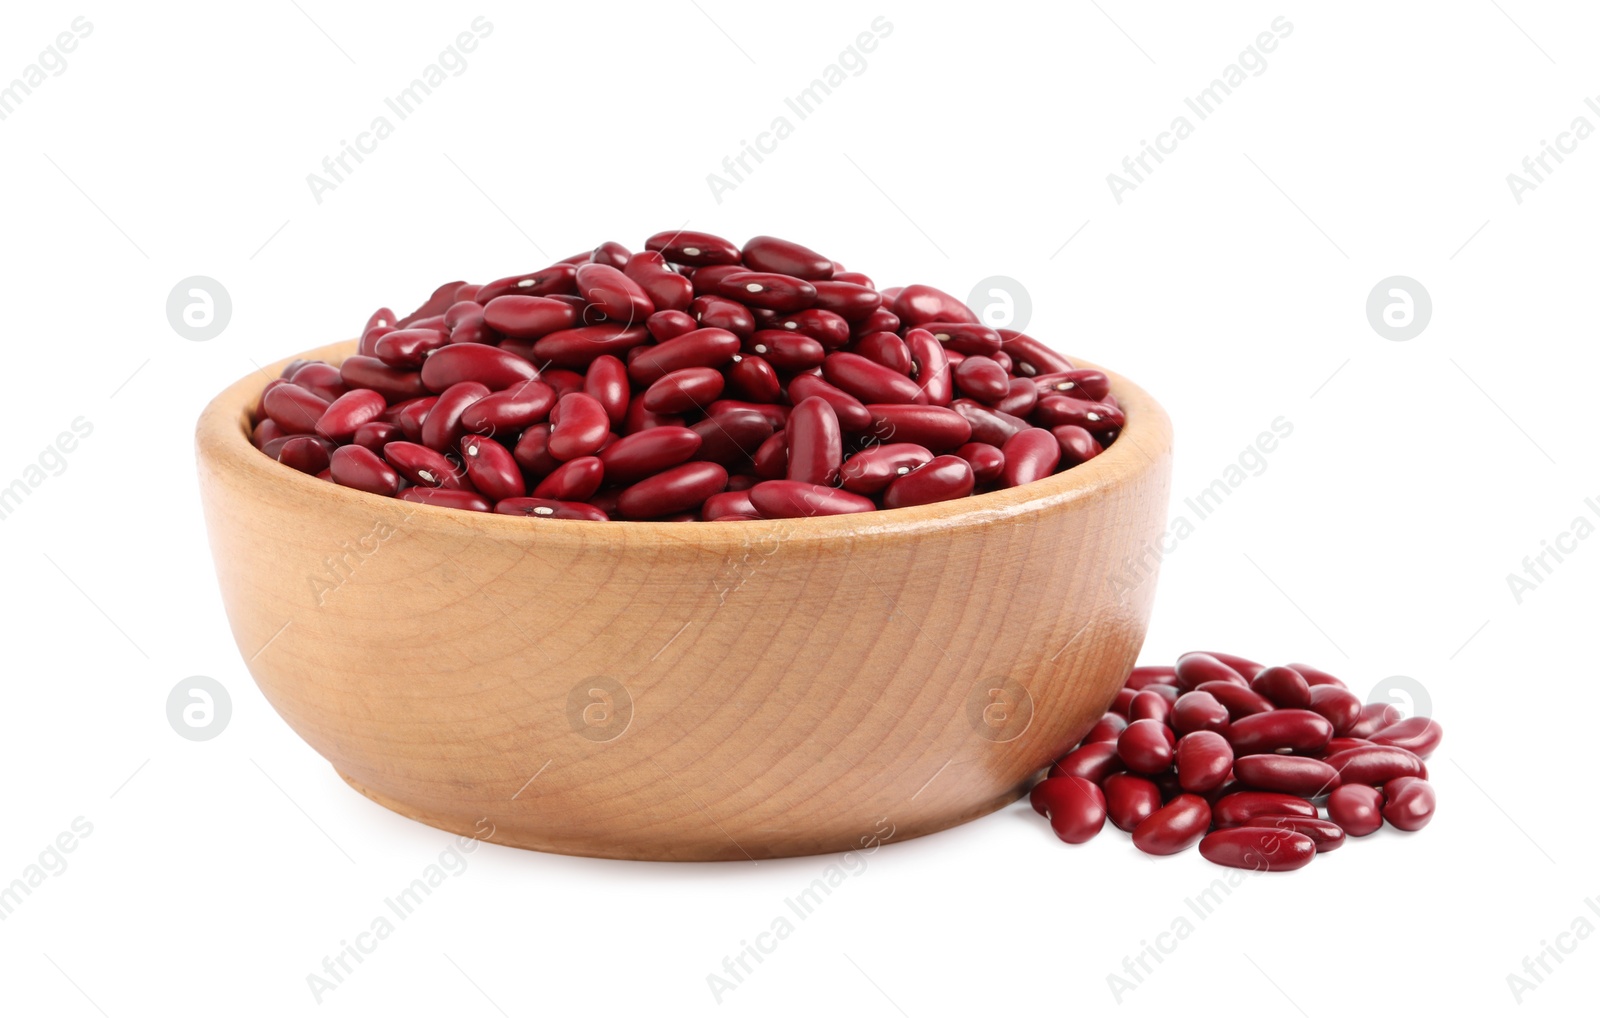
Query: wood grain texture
689	691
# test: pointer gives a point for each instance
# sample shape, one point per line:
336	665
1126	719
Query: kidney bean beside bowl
1245	785
660	385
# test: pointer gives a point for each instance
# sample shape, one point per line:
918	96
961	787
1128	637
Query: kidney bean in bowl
691	381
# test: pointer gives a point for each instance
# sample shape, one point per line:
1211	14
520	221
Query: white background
1232	284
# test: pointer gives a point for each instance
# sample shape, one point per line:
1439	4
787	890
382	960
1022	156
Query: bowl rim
222	442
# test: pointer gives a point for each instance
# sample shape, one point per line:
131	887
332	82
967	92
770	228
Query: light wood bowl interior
686	691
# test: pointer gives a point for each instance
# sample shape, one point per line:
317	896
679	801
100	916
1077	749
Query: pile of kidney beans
694	380
1222	752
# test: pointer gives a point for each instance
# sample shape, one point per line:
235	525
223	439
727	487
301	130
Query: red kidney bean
827	328
436	304
1130	800
423	466
684	390
753	378
558	278
475	362
1240	701
1148	674
634	457
1204	759
320	379
870	471
1316	676
986	461
868	380
408	348
982	379
665	325
1375	717
491	468
349	412
682	488
1031	356
607	381
718	313
988	426
731	437
550	509
918	305
1076	809
784	499
1236	808
666	289
787	351
815	444
1149	705
1375	765
266	430
1197	667
1198	711
1092	762
576	348
294	408
1324	834
1295	775
770	254
579	426
610	253
881	320
887	349
1107	729
1253	848
1020	398
411	414
939	429
1146	746
729	505
461	311
1301	731
930	367
619	298
701	348
1246	668
360	372
532	451
774	291
1077	445
965	338
852	413
304	453
1341	707
526	317
375	435
511	410
1031	455
1166	692
939	480
1357	809
1081	383
448	498
850	301
356	467
691	247
442	427
1419	735
1123	700
1408	803
1177	826
573	481
1285	687
1339	744
771	460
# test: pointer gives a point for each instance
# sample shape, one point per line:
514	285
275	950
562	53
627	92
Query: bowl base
747	850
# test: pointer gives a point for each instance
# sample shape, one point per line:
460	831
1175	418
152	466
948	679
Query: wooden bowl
687	691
